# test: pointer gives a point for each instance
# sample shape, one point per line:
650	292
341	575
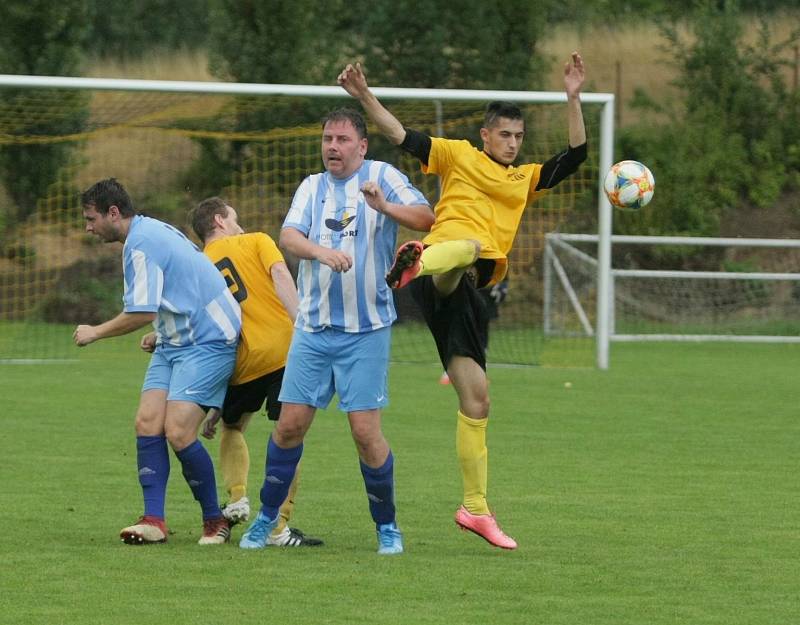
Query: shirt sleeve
299	215
417	144
560	166
268	251
144	281
443	154
398	189
534	192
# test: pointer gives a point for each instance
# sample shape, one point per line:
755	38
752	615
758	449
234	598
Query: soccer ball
629	185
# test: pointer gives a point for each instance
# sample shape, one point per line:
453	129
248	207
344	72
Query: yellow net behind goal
171	150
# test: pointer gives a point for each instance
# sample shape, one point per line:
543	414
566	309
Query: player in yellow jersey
260	281
483	195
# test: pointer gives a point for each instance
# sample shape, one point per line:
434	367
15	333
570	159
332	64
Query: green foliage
168	206
402	43
268	41
123	29
41	38
398	52
211	171
90	291
4	227
20	253
252	42
27	169
451	44
581	13
759	291
727	137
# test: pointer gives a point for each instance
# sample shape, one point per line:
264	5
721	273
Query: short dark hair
106	193
349	115
202	216
500	108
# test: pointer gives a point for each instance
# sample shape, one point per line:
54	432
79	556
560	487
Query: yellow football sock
442	257
473	458
286	509
234	462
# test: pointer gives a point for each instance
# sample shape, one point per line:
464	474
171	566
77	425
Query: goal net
737	290
172	144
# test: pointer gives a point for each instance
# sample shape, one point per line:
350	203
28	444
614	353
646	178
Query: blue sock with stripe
152	458
380	490
278	475
198	471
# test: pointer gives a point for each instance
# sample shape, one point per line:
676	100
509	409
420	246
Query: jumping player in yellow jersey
483	196
260	281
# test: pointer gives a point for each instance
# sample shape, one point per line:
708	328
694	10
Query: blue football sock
198	471
278	475
152	458
380	490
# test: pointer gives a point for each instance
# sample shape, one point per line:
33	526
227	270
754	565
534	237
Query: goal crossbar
188	86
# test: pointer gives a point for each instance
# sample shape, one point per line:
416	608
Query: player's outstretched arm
567	162
353	80
574	76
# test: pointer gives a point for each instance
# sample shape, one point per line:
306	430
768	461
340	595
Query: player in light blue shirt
191	310
332	213
173	285
343	226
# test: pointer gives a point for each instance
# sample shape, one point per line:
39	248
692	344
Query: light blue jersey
166	274
333	213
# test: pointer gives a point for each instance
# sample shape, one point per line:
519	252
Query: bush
90	291
41	38
726	141
123	29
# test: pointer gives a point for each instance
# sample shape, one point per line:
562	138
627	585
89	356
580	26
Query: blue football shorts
195	373
353	365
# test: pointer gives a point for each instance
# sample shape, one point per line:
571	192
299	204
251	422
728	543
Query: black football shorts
250	396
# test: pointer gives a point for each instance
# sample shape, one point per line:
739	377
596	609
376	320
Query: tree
123	29
728	136
264	41
41	38
478	44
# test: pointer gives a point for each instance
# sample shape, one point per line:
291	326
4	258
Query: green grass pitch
662	491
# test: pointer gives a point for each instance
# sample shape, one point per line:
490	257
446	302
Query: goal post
171	143
752	296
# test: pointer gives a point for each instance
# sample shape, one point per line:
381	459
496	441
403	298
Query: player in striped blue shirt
343	226
173	285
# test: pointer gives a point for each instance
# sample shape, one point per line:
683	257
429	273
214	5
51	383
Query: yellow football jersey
480	199
245	261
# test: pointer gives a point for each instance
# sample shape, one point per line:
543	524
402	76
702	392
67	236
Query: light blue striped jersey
333	213
166	274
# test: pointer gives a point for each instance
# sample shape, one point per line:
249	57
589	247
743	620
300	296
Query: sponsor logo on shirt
337	225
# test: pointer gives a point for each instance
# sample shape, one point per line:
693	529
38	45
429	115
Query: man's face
504	139
104	226
230	223
342	150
